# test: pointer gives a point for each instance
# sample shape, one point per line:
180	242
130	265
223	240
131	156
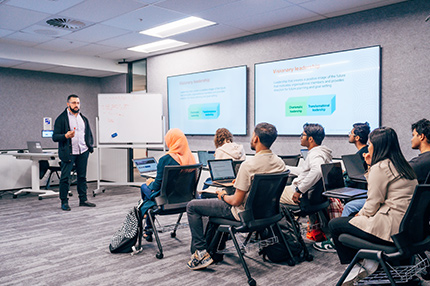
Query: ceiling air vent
65	23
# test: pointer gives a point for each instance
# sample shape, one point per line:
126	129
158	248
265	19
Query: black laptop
334	185
354	167
204	156
222	172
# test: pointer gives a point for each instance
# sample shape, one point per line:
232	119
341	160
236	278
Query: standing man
421	141
229	206
75	142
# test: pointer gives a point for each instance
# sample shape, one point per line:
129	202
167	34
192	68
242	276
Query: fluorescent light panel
157	46
178	27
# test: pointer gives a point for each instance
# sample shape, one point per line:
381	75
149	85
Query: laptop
204	156
354	167
147	167
36	147
334	184
290	160
304	153
222	172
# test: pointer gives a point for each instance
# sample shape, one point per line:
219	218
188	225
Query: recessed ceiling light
178	27
157	46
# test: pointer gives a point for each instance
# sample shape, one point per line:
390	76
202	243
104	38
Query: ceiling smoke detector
67	24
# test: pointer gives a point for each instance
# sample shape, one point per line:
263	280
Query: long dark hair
386	146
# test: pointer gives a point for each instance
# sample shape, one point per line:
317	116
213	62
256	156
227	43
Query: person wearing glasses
75	141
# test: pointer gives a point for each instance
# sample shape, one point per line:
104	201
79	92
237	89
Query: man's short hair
267	133
70	96
314	130
362	130
422	127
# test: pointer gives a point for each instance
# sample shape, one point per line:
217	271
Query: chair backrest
262	205
427	179
291	160
43	168
236	166
178	186
415	224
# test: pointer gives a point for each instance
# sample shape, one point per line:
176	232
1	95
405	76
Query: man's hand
149	181
70	134
220	193
296	197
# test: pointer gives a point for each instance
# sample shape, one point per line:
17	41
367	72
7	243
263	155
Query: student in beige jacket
391	183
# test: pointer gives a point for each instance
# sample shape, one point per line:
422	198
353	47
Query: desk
35	184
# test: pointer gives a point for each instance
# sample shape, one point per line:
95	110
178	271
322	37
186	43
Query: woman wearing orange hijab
179	154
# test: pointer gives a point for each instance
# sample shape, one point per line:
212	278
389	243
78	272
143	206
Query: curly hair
222	135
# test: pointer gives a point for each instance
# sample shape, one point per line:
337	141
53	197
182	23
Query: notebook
36	147
204	156
354	167
147	167
222	172
334	184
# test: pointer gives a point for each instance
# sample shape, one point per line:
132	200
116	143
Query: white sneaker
370	265
353	274
361	269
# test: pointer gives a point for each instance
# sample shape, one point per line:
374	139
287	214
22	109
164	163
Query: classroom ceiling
100	31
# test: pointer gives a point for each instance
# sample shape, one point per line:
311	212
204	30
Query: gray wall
399	29
28	96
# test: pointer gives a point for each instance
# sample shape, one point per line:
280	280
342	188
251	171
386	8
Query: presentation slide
335	90
200	103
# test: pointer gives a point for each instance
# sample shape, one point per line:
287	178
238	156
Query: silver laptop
36	147
204	156
222	172
147	167
334	184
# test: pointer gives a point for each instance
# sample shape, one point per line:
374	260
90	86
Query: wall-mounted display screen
335	90
200	103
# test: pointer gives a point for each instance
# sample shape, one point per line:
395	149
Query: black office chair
44	167
177	189
291	160
261	211
413	239
427	179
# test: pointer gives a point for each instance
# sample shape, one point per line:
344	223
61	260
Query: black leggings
341	225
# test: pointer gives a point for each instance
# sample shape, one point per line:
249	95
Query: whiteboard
130	118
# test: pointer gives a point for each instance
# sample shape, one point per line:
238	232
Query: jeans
145	193
81	162
353	206
196	209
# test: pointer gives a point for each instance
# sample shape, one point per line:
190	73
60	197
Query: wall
400	29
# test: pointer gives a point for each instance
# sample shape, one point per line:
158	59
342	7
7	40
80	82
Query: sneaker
362	269
353	275
199	260
325	246
65	207
86	204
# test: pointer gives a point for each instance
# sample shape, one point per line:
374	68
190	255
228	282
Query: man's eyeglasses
303	135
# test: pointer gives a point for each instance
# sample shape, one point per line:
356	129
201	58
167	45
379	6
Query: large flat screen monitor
335	90
200	103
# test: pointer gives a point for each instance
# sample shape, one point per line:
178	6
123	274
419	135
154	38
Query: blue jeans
145	193
353	206
196	209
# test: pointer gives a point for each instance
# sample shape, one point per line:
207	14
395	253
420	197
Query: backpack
278	252
126	237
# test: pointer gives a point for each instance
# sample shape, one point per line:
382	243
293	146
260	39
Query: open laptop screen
204	156
332	176
145	165
221	169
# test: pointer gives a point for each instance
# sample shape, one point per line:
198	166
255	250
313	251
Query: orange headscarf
178	147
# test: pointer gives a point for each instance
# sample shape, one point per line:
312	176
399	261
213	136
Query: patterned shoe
325	246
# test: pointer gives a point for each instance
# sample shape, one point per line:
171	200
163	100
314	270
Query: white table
35	184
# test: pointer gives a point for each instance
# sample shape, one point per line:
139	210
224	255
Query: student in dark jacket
75	141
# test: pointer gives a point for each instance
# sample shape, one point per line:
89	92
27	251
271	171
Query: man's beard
74	110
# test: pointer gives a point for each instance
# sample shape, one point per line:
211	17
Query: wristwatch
297	190
222	197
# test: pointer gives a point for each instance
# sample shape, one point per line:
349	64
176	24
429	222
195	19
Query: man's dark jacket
61	127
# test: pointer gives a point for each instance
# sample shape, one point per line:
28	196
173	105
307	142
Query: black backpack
126	237
277	252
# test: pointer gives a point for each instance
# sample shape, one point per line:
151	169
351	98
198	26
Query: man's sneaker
199	260
86	204
326	246
65	207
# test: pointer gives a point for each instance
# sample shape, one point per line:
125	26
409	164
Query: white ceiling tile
215	32
96	33
101	10
27	37
46	6
129	40
331	6
193	6
61	45
241	9
15	42
13	18
145	18
5	32
93	50
46	31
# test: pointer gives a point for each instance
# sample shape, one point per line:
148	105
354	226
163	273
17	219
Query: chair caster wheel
70	194
309	258
291	262
252	282
14	196
159	255
173	234
40	198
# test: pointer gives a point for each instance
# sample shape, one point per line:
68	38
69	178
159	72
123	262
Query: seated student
229	206
226	148
310	173
421	141
391	184
179	154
